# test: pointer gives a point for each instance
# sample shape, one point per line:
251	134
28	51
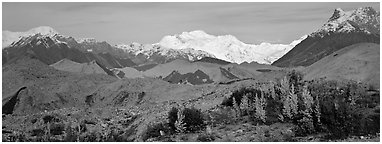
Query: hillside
42	87
71	66
128	72
359	62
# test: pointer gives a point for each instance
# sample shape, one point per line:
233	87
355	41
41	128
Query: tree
260	105
306	123
236	107
290	103
244	105
180	124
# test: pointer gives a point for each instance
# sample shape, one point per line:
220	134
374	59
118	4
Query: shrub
187	119
50	119
341	109
153	130
193	119
205	137
15	137
91	137
180	123
295	78
221	116
57	128
305	124
238	95
172	117
115	135
71	134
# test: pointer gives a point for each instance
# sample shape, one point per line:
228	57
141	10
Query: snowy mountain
341	30
200	44
48	46
154	53
86	40
228	47
191	46
10	37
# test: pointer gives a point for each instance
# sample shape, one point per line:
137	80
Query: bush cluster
340	108
180	120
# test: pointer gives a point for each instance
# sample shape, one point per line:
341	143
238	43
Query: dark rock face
227	74
10	104
196	78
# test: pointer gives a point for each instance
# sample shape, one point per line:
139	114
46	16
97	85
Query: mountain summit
364	19
10	37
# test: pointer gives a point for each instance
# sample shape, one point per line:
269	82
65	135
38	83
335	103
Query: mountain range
191	54
189	46
198	44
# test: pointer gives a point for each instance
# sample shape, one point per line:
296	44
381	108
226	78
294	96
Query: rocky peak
43	30
364	19
338	12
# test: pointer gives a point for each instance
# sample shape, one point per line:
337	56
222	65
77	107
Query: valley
195	87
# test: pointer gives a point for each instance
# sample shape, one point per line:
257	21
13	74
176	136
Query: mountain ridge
195	46
226	47
342	29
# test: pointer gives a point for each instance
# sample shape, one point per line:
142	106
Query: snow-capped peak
155	49
338	12
86	40
227	47
11	37
345	21
43	30
197	34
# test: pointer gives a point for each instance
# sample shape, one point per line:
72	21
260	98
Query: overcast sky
148	22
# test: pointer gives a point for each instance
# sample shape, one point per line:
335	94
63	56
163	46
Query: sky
127	22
